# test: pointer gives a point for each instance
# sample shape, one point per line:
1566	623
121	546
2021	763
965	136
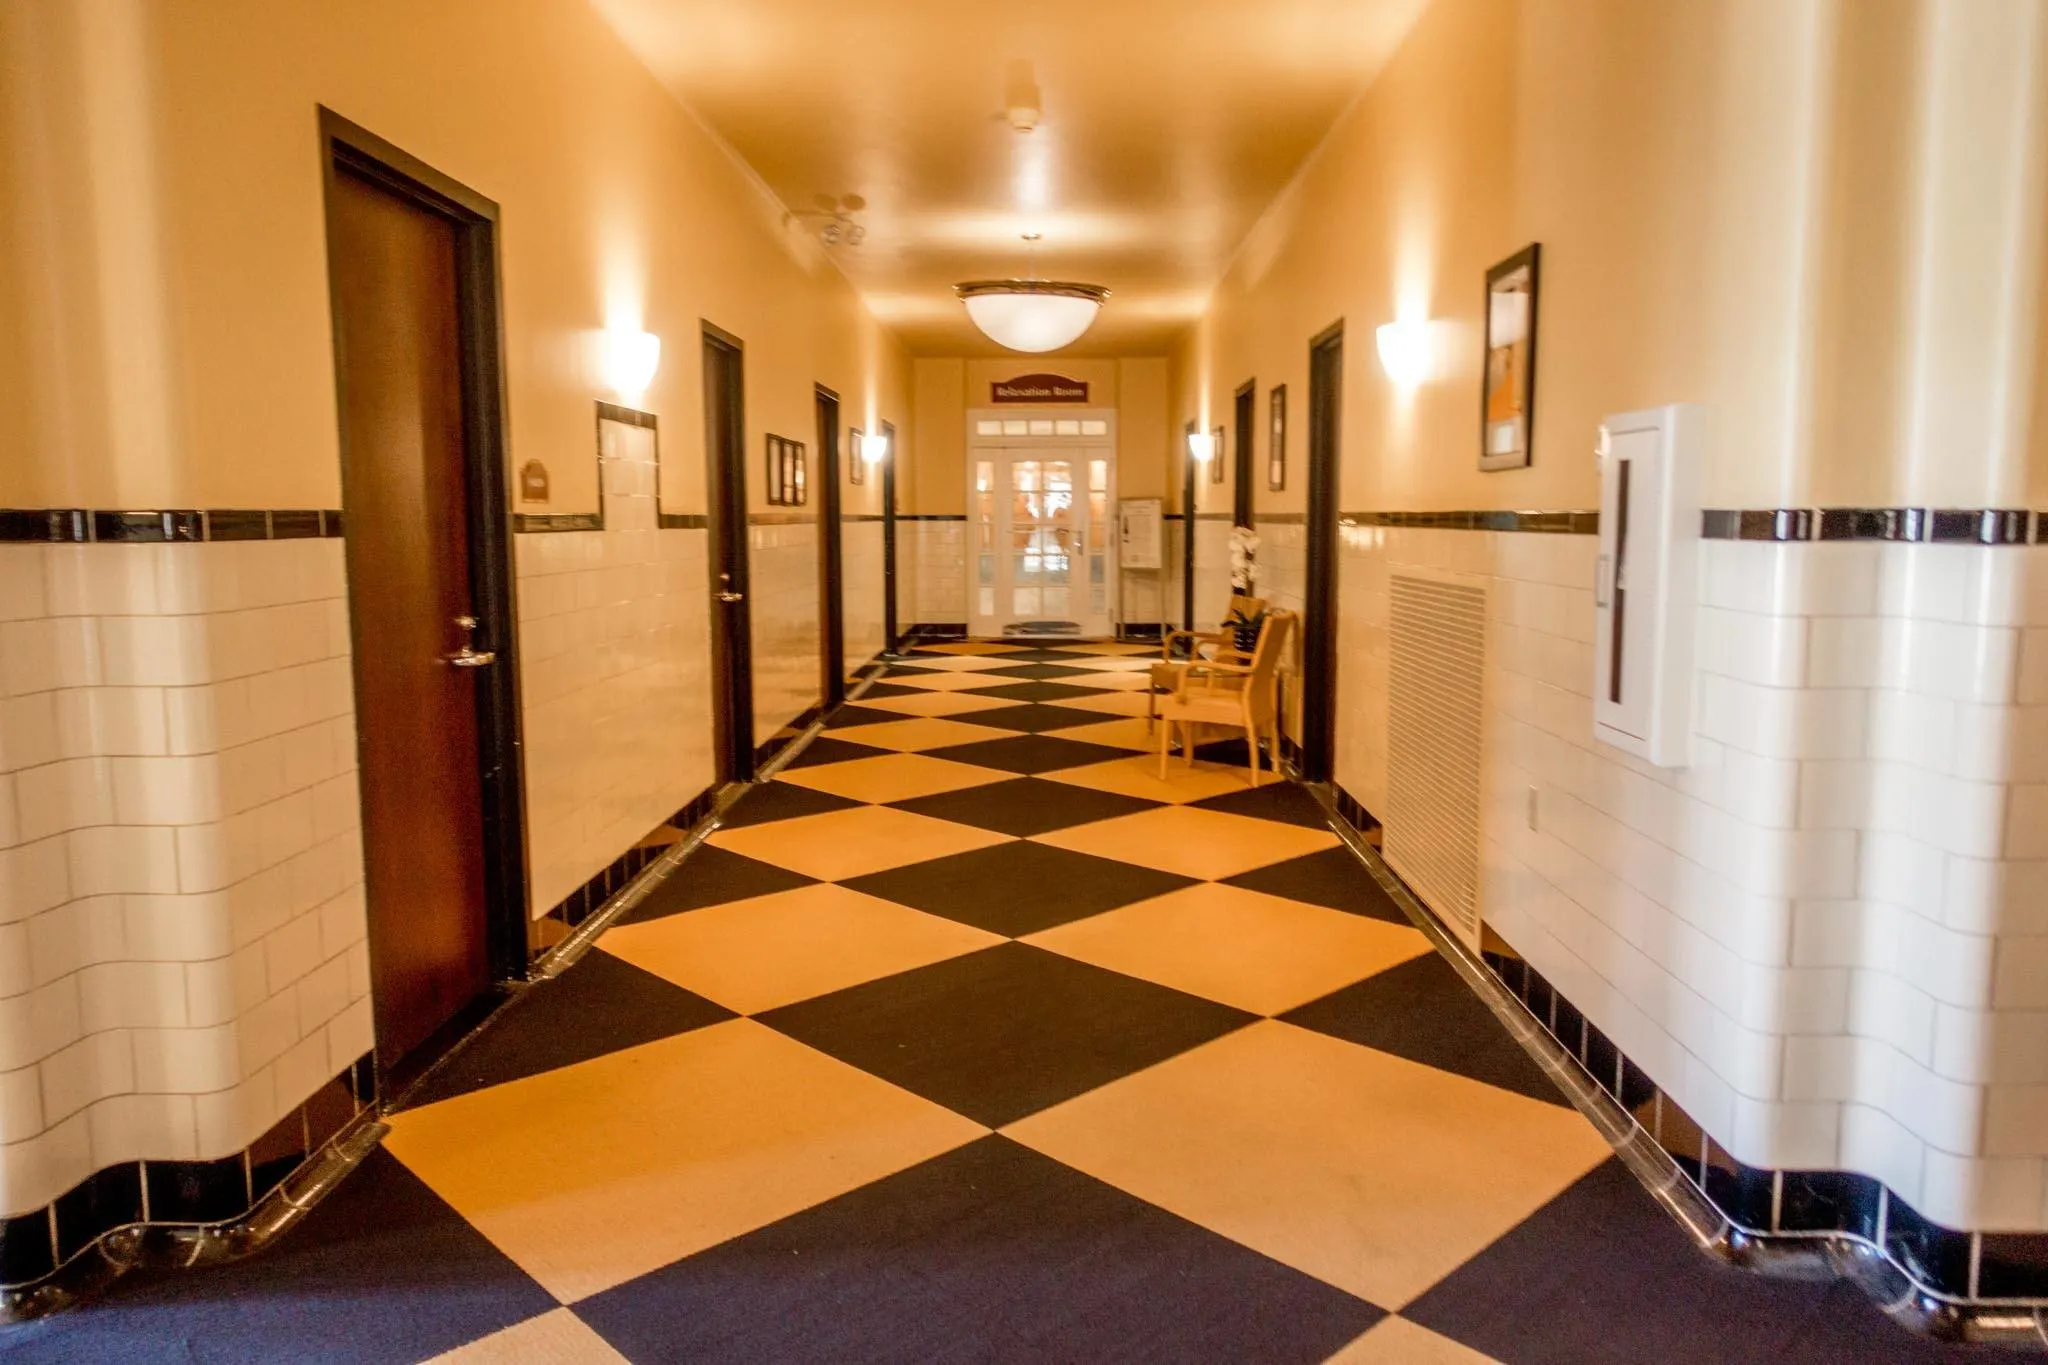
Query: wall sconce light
1404	352
1201	445
630	360
874	447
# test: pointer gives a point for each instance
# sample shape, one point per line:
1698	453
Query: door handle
732	597
467	657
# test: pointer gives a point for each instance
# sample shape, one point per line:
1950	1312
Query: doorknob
467	657
732	597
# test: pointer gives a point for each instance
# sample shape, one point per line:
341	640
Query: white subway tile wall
1826	937
782	595
862	596
182	952
615	672
938	580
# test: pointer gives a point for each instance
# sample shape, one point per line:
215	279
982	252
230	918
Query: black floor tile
780	801
1016	888
1332	877
1036	717
713	876
877	690
1423	1011
1030	753
1601	1274
1036	691
602	1004
990	1252
826	749
1035	671
381	1270
853	714
1273	799
1052	654
1006	1031
1025	806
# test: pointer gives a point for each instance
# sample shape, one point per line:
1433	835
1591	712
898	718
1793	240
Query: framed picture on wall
1507	400
1216	456
1276	438
786	473
856	464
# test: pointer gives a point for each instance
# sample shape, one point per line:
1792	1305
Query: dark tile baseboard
566	915
42	1249
1911	525
767	749
1961	1267
164	526
1954	1285
928	632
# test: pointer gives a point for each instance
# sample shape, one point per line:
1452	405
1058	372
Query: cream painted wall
1736	208
166	338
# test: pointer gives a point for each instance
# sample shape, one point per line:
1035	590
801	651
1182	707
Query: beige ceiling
1168	127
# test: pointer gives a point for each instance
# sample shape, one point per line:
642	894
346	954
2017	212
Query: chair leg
1165	738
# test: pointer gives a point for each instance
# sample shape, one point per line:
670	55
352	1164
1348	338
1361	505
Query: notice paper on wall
1139	522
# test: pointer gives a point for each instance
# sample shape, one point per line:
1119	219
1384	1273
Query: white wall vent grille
1436	677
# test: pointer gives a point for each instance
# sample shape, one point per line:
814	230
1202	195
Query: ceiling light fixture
1031	315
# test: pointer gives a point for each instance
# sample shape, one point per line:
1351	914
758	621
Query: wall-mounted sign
533	482
1039	388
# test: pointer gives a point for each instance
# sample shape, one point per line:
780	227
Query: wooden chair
1220	643
1246	695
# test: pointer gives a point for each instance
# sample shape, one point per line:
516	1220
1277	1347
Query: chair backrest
1271	648
1241	605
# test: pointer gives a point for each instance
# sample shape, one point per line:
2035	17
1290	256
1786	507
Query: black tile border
1987	526
1278	519
786	735
1775	1203
1928	1279
163	526
683	521
565	916
43	1247
781	518
933	632
931	516
1575	522
531	523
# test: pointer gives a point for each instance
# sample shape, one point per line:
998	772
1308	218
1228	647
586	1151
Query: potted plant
1244	628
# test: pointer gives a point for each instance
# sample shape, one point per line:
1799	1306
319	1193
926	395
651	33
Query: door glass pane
1094	426
986	427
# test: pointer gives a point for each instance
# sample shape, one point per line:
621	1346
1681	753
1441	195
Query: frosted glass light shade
1032	315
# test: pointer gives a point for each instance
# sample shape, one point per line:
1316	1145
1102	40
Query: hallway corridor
966	1038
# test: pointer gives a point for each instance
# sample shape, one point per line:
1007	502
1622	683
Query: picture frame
856	463
1276	438
1507	391
786	473
1216	449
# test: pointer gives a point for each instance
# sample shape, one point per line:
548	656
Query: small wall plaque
533	482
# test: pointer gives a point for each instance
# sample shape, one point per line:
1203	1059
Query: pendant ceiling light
1031	315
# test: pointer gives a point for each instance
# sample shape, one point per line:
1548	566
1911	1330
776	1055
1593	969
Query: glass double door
1040	543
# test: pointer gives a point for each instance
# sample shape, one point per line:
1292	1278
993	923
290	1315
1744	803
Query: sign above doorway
1039	388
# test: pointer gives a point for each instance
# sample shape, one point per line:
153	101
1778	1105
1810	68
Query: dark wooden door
1189	473
732	682
831	579
406	508
889	622
1319	600
1242	435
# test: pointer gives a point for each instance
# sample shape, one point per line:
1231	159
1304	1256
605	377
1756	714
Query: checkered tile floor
968	1038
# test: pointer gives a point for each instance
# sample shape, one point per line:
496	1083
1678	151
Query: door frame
1243	435
725	484
831	566
1319	598
889	636
347	148
1050	447
1188	475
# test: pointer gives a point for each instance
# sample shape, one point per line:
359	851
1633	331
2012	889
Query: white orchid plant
1244	558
